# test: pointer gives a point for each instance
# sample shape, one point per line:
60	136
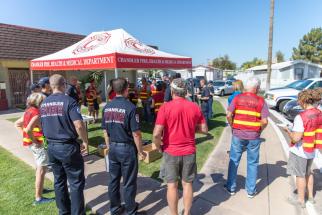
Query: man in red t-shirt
176	124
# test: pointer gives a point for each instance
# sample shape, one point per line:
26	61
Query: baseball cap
34	86
43	81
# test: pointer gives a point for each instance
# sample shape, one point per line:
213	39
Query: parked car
291	109
223	87
278	97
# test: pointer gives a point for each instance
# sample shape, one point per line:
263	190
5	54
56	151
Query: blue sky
202	29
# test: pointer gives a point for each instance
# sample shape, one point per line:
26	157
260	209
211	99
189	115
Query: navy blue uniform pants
123	162
210	102
68	165
205	109
147	114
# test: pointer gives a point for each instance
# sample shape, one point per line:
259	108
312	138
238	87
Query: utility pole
270	45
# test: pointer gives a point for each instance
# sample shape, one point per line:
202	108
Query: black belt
73	141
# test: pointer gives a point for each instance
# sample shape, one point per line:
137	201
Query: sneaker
43	200
229	191
295	202
311	200
251	195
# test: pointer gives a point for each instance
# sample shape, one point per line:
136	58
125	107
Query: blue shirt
232	96
72	92
58	112
119	119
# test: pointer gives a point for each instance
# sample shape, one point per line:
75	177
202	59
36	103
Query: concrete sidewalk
273	184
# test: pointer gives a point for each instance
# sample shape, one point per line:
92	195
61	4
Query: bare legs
39	183
302	184
173	197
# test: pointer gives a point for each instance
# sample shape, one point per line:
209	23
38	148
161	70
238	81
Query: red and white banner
109	50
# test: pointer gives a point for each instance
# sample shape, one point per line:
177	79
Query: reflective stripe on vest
143	95
240	122
157	107
246	112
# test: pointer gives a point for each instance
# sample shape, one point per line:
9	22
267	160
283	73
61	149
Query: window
316	85
298	73
299	85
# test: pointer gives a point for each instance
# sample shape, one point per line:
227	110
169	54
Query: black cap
34	86
43	81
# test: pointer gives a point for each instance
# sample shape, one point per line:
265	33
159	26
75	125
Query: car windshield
299	85
219	83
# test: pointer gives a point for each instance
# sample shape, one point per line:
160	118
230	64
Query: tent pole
116	75
31	77
105	84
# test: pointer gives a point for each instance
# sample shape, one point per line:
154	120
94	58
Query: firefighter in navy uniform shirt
62	124
204	98
122	134
71	88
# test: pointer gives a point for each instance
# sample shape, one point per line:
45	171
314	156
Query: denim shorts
179	167
40	155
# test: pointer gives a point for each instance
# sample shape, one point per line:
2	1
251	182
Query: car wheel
281	105
222	93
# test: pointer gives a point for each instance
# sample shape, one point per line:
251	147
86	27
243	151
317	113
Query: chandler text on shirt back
115	115
52	109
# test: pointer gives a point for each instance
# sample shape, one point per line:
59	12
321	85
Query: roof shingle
23	43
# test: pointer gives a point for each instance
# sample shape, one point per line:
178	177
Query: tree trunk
270	46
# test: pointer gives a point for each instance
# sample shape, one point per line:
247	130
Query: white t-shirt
297	148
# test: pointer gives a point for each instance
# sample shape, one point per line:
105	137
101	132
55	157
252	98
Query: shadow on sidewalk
212	196
268	173
154	194
317	181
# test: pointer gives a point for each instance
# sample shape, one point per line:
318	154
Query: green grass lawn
205	144
17	188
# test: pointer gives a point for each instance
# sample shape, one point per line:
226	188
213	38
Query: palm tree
270	46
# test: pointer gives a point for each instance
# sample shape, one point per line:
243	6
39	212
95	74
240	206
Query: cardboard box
102	151
152	153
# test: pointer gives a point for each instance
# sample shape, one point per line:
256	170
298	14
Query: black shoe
251	195
141	213
229	191
120	211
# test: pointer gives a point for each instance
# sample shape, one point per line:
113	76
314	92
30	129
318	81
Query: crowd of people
178	111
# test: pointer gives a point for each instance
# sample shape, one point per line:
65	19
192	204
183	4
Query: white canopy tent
115	49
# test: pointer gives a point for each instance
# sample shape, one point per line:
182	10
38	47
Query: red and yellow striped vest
247	114
36	131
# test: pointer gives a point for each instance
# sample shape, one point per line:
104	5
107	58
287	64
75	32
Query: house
21	44
208	72
283	73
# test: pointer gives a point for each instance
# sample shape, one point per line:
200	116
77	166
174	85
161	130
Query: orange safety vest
153	90
312	136
247	114
89	97
158	101
36	131
143	93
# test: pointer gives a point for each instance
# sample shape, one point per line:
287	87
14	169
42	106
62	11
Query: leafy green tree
310	47
279	57
223	63
255	62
